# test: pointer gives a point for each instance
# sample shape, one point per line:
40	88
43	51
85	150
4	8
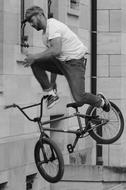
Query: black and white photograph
62	94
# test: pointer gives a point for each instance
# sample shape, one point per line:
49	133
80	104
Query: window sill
73	12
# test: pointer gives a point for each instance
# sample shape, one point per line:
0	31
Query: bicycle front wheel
112	130
49	160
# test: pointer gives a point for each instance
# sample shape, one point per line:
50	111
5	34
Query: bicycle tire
48	148
116	122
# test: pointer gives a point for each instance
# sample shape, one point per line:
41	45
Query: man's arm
53	50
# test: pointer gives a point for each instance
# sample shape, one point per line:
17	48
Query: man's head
36	17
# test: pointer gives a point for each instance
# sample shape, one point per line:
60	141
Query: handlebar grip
10	106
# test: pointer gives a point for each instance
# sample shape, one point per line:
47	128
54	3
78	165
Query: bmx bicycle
103	127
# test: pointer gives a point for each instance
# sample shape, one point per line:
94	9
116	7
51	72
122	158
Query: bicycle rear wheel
109	132
49	160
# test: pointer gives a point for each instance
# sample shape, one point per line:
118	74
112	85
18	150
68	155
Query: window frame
72	11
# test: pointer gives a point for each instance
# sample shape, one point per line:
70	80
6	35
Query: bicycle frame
41	124
79	132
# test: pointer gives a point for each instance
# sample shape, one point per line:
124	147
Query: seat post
79	119
76	109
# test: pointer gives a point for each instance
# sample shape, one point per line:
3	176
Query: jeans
73	70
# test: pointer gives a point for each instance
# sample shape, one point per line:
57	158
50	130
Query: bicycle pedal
70	148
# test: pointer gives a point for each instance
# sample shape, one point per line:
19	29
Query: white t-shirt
72	47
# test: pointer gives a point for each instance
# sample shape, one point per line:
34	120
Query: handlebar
22	109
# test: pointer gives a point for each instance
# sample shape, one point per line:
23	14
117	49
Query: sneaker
106	107
52	100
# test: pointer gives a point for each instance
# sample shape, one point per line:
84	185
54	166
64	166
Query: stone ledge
76	177
94	173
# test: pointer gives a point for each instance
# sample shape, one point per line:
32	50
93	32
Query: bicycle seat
73	105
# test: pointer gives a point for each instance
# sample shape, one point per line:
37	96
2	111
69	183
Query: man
65	56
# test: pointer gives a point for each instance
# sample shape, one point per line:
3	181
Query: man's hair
34	10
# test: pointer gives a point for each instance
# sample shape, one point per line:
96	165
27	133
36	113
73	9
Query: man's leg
39	69
74	71
53	81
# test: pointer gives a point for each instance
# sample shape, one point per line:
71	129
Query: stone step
82	177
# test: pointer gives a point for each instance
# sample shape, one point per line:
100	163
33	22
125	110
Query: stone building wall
17	84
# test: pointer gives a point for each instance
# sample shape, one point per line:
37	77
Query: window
74	7
29	181
74	4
